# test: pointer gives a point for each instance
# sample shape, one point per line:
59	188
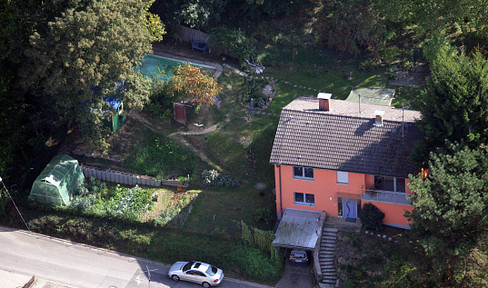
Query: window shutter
342	177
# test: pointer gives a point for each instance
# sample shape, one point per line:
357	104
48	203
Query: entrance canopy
299	229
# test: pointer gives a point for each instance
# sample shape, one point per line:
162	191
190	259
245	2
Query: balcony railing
385	196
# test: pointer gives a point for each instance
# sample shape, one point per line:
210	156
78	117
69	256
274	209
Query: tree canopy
89	45
194	85
454	104
450	215
439	17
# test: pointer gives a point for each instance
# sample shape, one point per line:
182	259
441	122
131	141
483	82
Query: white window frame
342	178
303	177
305	203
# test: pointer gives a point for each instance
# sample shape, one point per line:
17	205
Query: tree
196	14
189	82
234	42
454	104
88	44
450	215
351	25
439	17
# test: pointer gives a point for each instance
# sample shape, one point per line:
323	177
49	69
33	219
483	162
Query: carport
299	229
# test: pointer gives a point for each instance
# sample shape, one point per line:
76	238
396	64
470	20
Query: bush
264	214
95	186
162	99
371	217
253	88
215	179
256	264
246	234
121	202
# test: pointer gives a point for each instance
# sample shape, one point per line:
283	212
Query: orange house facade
332	156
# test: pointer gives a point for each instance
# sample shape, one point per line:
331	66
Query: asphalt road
80	266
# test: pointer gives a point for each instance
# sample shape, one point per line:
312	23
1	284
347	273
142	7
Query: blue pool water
159	66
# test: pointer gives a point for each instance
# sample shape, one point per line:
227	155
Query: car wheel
175	278
205	284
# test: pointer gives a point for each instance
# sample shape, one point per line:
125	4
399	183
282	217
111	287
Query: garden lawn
159	156
218	211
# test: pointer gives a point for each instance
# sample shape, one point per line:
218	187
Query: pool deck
217	66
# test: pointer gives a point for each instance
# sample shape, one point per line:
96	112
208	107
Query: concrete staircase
327	257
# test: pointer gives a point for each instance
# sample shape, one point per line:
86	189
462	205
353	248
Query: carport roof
299	229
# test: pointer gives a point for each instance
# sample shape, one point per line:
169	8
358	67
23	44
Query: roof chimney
378	120
324	101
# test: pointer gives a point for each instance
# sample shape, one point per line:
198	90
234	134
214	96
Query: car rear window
211	270
298	254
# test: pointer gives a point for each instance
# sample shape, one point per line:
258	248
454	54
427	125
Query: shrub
95	186
256	264
246	234
264	214
371	217
264	239
82	203
121	202
161	97
253	88
214	178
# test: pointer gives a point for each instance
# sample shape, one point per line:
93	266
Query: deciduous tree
194	85
89	44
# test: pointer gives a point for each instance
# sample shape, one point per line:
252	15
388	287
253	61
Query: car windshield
211	270
187	266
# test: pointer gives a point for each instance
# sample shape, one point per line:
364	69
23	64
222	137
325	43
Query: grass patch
219	211
159	156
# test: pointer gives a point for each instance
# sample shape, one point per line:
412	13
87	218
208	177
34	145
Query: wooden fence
189	35
119	177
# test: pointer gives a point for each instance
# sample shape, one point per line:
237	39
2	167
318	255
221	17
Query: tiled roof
344	139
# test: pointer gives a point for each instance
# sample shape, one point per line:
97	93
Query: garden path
178	136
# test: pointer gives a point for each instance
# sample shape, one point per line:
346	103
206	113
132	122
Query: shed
118	113
58	182
376	96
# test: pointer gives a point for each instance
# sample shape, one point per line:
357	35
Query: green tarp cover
58	182
377	96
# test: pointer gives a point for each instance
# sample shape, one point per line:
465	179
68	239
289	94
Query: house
334	156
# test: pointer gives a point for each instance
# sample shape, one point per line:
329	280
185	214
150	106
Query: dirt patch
413	77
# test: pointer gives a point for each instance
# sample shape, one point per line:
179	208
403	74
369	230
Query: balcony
383	196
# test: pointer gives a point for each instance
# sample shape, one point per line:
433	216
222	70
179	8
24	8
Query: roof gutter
281	199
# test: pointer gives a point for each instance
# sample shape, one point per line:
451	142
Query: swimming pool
154	66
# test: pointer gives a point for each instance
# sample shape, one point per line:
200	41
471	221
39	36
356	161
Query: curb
128	257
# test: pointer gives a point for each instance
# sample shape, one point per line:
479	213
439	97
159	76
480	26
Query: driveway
60	263
297	276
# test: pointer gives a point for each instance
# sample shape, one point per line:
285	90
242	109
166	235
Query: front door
350	208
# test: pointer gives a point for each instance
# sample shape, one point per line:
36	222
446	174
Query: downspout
281	199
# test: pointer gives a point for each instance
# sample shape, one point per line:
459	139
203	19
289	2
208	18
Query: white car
197	272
